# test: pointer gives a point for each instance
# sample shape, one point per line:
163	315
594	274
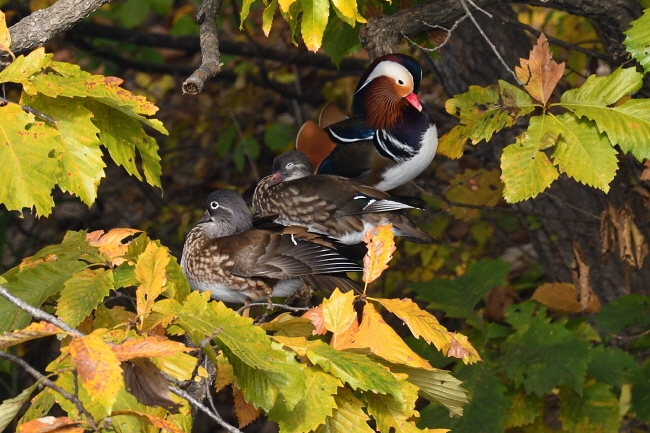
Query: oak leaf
539	73
381	245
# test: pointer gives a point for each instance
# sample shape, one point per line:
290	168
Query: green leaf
482	112
390	413
21	69
245	9
28	152
612	366
225	141
340	40
347	417
624	312
279	137
485	414
133	12
541	355
310	412
161	7
438	385
641	394
524	410
34	285
582	152
82	293
263	371
80	158
457	298
314	20
267	16
527	171
595	412
638	40
10	407
41	405
599	92
475	187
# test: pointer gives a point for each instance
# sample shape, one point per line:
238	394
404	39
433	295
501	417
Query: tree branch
211	64
41	26
213	415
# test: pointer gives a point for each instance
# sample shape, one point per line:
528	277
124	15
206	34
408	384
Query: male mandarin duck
337	206
390	137
225	255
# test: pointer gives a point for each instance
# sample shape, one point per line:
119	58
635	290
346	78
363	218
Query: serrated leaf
541	355
384	342
340	39
477	188
11	406
246	412
263	371
34	285
347	417
23	67
315	316
390	413
150	272
40	406
526	170
180	366
624	312
355	369
314	20
338	313
80	158
614	367
225	374
482	112
112	243
582	152
458	298
596	411
27	149
151	420
539	73
34	330
311	411
380	242
150	347
98	369
82	293
267	18
599	92
524	410
637	40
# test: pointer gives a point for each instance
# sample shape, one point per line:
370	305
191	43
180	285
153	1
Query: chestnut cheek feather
382	104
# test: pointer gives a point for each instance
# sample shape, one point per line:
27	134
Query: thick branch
41	26
211	64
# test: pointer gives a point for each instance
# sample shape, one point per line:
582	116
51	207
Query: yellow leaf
110	243
563	298
381	244
34	330
461	348
540	74
420	322
315	14
153	420
150	347
62	424
5	37
98	369
383	341
348	8
338	313
245	411
317	319
225	375
285	5
344	340
150	272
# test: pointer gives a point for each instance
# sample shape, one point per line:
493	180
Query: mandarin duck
390	137
337	206
225	255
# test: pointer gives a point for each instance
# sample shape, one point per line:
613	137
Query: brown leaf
381	244
497	300
563	298
644	193
580	273
461	348
540	74
317	319
645	175
112	243
147	384
245	411
631	242
50	424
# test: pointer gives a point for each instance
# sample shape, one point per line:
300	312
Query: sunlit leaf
348	415
315	316
314	20
637	40
50	424
380	242
267	17
338	313
112	243
246	412
150	272
24	67
393	415
149	347
34	330
82	293
289	326
40	406
5	37
539	73
347	10
152	420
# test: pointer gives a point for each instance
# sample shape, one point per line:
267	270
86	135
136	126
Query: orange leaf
50	424
461	348
153	420
563	298
317	319
34	330
98	368
150	347
111	244
540	74
420	322
343	341
381	244
338	313
383	341
245	411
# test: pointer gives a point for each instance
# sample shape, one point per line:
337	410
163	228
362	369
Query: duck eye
400	82
289	166
214	205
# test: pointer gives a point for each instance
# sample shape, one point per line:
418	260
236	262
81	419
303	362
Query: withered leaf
580	272
245	411
539	73
563	298
618	225
147	384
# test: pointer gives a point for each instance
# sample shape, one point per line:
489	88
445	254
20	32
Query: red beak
414	101
275	179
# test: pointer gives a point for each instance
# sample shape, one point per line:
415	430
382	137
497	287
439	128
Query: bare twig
211	64
286	307
47	382
435	26
213	415
38	314
28	109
